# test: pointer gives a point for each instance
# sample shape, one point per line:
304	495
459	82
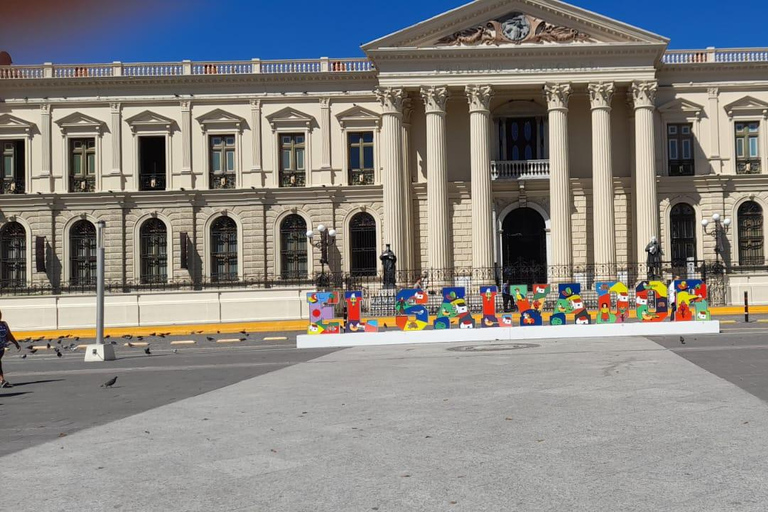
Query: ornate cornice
644	94
391	99
434	99
479	97
557	95
601	95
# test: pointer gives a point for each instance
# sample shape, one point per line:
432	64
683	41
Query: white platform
507	334
98	353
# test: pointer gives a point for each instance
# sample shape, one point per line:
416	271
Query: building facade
497	134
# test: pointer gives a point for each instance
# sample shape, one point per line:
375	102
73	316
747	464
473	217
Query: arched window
751	234
13	255
682	225
293	247
82	254
362	245
154	252
224	250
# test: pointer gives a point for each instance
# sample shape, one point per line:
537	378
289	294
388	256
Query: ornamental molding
358	116
391	99
290	117
601	95
515	28
558	95
79	122
435	99
644	94
683	106
220	119
479	97
150	121
745	106
12	125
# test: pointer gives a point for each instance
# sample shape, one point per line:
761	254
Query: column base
99	353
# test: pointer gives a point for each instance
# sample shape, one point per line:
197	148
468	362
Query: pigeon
175	351
139	338
130	345
127	336
109	383
108	336
48	346
59	354
24	356
242	339
243	332
77	338
209	338
146	351
682	340
32	350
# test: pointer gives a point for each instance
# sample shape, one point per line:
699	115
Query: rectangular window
12	166
82	165
152	165
292	164
680	144
222	161
360	158
748	159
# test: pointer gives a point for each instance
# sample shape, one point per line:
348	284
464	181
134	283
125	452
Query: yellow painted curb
184	342
238	340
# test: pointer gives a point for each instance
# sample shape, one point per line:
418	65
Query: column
45	136
601	96
480	154
438	224
325	132
186	137
391	100
116	127
647	214
559	174
407	261
256	134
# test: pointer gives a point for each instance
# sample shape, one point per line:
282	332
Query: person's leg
2	379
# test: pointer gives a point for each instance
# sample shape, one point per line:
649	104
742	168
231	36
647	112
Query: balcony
164	69
715	55
520	170
82	183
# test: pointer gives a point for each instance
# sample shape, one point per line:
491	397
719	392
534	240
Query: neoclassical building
501	132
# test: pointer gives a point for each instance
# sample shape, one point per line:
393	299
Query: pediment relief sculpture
516	28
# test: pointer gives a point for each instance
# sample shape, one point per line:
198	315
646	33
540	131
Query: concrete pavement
562	425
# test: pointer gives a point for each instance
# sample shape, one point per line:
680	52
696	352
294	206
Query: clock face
516	28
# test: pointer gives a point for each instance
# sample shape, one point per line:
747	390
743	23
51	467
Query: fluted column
647	214
408	254
601	96
559	173
480	155
438	222
392	167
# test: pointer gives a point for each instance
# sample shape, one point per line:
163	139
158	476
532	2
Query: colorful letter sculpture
321	312
529	316
691	301
454	308
354	322
488	294
411	313
604	313
644	309
570	301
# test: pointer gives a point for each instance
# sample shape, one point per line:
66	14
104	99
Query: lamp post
718	232
327	239
100	351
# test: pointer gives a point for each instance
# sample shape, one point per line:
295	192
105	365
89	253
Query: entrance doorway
524	247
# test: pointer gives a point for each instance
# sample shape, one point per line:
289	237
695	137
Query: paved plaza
615	424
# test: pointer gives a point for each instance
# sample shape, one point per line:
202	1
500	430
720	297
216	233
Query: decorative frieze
516	28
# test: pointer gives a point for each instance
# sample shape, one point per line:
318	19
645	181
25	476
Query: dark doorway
524	246
152	163
362	238
682	221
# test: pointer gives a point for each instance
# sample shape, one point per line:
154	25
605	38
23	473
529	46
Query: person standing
506	294
5	336
672	297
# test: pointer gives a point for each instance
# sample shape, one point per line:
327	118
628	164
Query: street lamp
718	232
100	351
327	239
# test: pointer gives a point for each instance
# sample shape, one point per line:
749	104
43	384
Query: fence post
746	307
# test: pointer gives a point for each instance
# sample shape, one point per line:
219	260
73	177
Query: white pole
100	225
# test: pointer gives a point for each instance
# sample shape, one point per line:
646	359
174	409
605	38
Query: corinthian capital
45	109
479	97
391	99
435	98
644	94
601	95
558	95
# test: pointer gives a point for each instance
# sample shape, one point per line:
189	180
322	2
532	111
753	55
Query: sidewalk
287	326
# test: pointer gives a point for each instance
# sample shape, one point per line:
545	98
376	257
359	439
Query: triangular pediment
513	23
289	116
746	105
358	116
13	124
79	121
149	118
219	116
681	105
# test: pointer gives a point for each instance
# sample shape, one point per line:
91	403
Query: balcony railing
82	183
711	55
12	186
520	170
151	181
119	69
220	180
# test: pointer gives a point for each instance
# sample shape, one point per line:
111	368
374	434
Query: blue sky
172	30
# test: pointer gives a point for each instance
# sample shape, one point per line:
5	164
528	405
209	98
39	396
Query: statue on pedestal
389	266
654	259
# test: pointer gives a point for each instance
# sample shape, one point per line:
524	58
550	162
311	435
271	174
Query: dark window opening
152	163
13	255
154	252
362	238
751	234
682	221
12	166
293	247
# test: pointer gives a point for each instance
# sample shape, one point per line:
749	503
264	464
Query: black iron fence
379	299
